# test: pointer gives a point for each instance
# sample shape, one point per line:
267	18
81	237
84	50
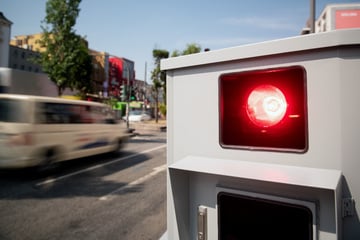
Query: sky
134	28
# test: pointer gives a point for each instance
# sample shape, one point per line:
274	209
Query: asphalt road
100	197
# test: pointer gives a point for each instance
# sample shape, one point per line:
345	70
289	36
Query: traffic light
133	95
264	109
123	92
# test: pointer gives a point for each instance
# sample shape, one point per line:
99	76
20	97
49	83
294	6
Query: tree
66	58
191	48
81	76
159	78
175	53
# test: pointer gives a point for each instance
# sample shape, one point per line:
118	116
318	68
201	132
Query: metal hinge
202	223
348	207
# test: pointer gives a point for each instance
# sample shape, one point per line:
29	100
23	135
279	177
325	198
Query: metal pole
144	88
312	16
128	95
106	70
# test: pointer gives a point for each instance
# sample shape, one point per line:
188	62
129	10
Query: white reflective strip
136	182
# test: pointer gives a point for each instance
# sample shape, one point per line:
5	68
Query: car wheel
48	163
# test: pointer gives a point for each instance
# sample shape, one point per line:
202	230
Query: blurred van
38	131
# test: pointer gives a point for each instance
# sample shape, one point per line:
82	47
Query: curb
148	127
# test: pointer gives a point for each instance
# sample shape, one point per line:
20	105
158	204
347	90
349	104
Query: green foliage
159	54
191	48
158	78
163	109
66	59
175	53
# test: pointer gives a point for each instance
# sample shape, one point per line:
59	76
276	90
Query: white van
37	131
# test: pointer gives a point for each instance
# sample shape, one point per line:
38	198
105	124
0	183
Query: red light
266	106
264	109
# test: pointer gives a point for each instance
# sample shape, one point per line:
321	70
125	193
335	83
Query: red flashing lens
264	109
266	106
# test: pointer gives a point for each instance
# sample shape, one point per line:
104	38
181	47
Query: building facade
99	67
116	76
338	16
122	72
108	72
5	32
30	42
23	59
23	51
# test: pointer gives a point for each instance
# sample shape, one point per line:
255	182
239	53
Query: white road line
155	171
52	180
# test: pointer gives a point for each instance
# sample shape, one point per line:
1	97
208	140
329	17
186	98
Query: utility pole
128	91
144	88
106	70
312	16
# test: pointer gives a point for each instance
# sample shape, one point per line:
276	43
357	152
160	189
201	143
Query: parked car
138	116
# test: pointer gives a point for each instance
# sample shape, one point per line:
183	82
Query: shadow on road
23	183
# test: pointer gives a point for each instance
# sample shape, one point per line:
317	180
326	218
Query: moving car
138	116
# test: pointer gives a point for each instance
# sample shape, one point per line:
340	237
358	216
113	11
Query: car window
13	110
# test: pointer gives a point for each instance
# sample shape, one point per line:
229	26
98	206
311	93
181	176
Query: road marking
52	180
155	171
